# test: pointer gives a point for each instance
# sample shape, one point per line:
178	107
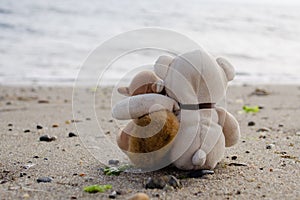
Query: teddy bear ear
227	68
161	66
124	91
158	86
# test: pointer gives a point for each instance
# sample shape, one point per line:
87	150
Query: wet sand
263	165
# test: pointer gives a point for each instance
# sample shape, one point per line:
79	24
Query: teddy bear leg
123	140
123	137
216	154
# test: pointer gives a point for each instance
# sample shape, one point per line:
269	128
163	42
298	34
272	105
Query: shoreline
271	157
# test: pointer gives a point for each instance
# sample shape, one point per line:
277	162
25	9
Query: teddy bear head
194	77
142	83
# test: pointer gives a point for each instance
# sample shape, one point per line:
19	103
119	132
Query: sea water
47	42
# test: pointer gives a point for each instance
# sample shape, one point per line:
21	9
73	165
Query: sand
272	173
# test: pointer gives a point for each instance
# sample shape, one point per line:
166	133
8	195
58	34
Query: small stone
113	195
251	123
113	162
22	174
238	164
39	127
26	131
263	135
88	119
238	192
280	125
10	124
47	138
174	182
270	146
199	173
168	188
139	196
233	157
55	125
247	151
35	156
9	129
43	101
44	180
67	122
263	129
110	120
26	195
71	134
73	197
156	182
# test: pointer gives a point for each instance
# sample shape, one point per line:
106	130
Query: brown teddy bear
147	147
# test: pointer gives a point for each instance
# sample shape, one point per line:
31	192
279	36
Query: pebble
26	131
156	182
47	138
44	180
39	127
270	146
280	125
139	196
162	181
260	92
113	195
247	151
199	173
10	125
263	135
263	129
71	134
113	162
174	182
22	174
43	101
251	123
26	195
238	164
55	125
233	157
9	129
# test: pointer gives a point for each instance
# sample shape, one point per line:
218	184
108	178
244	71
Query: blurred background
46	42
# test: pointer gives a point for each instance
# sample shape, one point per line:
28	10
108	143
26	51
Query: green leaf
96	188
251	109
116	171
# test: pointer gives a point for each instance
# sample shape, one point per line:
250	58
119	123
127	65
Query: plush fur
147	147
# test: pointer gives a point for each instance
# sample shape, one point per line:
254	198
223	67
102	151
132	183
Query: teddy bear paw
199	158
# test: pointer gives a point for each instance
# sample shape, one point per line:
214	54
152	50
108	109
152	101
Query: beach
265	164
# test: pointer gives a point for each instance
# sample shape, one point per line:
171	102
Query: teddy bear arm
230	127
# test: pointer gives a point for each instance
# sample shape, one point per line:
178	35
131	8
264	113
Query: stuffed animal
197	81
145	139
